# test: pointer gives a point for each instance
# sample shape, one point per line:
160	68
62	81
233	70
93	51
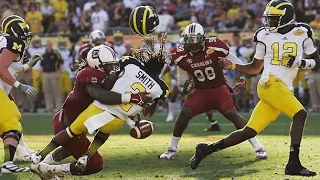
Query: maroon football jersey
203	67
78	99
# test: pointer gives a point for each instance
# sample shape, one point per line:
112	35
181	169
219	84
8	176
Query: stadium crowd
64	18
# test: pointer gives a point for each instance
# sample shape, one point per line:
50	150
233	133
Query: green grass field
128	158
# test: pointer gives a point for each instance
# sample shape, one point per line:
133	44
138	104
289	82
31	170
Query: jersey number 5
135	86
291	46
208	73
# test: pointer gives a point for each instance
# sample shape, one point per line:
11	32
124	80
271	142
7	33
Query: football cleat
36	158
26	158
298	170
214	127
9	167
49	160
169	154
82	162
261	154
201	152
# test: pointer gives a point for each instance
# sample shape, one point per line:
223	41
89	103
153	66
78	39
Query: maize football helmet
14	25
143	20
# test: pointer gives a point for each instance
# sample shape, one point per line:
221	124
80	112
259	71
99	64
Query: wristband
16	84
25	67
125	98
233	66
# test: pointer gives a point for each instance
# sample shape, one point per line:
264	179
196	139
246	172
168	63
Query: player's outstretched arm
252	68
6	59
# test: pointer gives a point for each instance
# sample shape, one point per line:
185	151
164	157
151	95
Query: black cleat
214	127
298	170
201	152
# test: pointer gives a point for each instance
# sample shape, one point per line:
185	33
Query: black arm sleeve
316	57
105	97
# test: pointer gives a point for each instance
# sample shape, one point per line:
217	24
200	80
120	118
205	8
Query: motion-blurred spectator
61	9
181	10
64	28
83	25
128	47
121	15
6	10
118	46
309	10
316	23
47	11
99	18
233	23
51	67
131	3
34	19
221	26
88	6
198	4
234	10
166	21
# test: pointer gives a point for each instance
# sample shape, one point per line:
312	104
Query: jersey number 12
291	46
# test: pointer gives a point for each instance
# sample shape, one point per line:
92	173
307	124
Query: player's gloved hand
29	90
240	87
225	63
136	118
141	98
34	60
187	87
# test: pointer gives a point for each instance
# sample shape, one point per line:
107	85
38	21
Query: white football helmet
97	37
103	58
194	37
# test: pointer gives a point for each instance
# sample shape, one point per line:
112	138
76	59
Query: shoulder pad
91	76
178	53
125	60
305	27
14	44
258	33
216	44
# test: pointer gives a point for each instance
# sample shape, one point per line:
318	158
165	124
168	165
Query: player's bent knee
11	134
301	115
249	132
77	129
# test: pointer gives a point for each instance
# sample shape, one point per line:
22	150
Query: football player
280	47
134	77
16	35
198	57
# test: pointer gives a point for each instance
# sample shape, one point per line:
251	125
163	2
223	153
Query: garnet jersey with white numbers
203	66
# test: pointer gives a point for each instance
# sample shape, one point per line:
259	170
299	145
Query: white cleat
9	167
82	162
36	158
169	154
49	160
170	117
261	154
26	158
45	171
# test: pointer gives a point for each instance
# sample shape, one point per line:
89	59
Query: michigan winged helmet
143	20
16	26
278	14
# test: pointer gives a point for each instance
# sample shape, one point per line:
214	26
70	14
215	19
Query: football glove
141	98
29	90
240	87
187	87
34	60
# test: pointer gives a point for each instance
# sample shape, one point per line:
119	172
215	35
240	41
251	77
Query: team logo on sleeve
209	50
94	80
298	32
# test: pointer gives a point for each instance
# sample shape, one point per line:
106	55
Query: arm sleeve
308	46
234	58
183	76
260	51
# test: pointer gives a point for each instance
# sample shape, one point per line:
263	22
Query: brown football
143	130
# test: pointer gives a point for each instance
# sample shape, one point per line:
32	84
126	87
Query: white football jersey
273	48
31	50
134	78
15	45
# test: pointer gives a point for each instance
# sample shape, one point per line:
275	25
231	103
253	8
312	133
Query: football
143	130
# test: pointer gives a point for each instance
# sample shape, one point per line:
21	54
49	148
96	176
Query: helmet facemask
194	43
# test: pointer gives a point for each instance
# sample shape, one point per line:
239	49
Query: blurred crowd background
66	21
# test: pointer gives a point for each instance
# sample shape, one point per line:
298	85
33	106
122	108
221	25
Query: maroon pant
78	145
203	100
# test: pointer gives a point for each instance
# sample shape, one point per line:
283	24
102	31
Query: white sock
174	142
170	107
21	151
61	169
255	144
49	160
23	144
